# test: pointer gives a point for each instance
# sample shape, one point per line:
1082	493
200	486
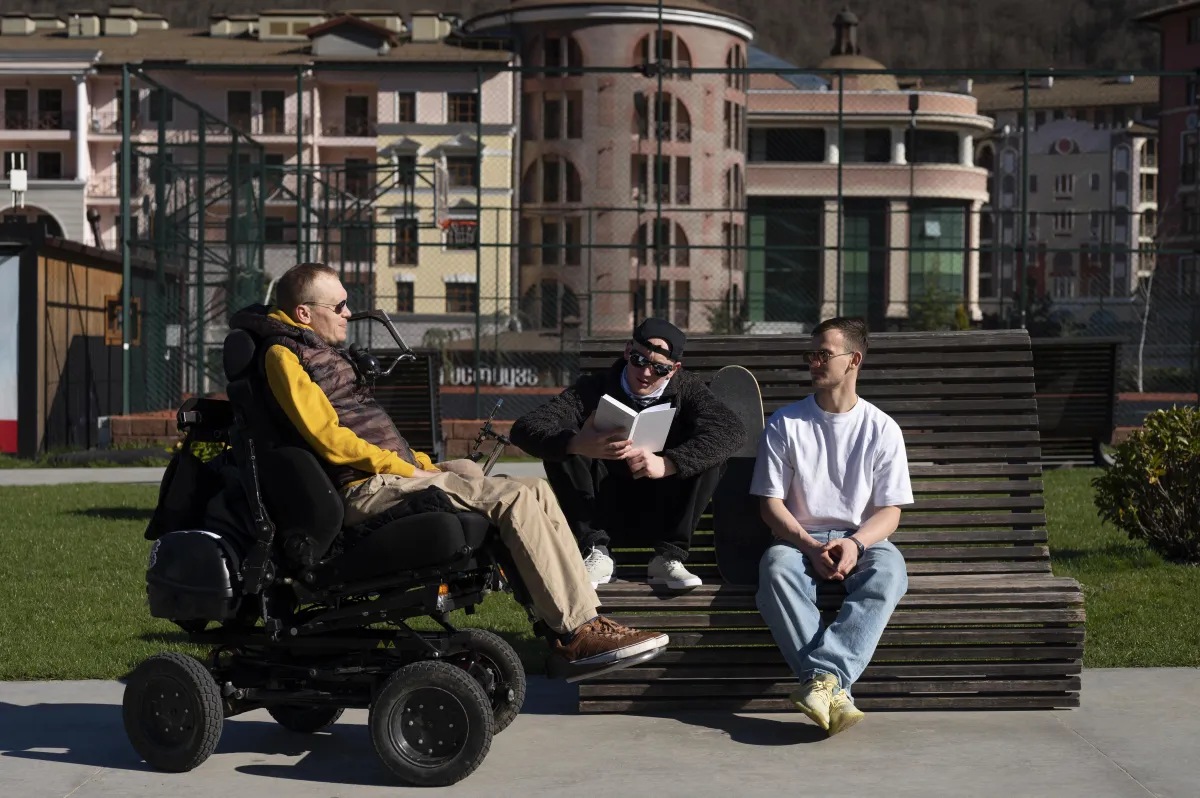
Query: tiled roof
1067	93
193	46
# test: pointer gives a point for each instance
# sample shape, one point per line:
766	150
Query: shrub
1150	490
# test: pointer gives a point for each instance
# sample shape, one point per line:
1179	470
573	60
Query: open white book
647	429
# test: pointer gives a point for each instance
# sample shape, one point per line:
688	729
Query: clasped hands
603	445
833	561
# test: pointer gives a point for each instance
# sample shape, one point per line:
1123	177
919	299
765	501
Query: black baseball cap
661	328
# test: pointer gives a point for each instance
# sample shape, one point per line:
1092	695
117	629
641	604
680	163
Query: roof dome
846	54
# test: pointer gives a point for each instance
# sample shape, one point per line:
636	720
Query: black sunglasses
338	308
641	361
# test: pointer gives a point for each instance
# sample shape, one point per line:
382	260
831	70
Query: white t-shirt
833	470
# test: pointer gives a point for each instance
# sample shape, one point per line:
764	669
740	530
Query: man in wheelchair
329	525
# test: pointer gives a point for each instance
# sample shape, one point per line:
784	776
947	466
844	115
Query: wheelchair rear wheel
172	712
305	719
431	724
495	665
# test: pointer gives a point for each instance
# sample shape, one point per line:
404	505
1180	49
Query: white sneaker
671	574
599	566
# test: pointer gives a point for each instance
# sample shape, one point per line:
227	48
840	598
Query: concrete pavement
1134	736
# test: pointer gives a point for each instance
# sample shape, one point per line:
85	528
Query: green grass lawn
72	569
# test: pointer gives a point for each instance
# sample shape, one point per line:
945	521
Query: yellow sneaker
815	697
842	712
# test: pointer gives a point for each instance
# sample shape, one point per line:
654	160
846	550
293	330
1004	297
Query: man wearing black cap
610	490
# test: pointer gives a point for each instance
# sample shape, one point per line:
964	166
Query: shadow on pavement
787	729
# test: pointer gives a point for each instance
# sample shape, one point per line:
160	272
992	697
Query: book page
651	428
612	416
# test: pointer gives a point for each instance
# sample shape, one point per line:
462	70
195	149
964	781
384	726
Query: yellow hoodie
309	410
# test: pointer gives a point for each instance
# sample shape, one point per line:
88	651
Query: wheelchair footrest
557	669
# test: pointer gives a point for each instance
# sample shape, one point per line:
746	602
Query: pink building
624	186
1179	146
902	161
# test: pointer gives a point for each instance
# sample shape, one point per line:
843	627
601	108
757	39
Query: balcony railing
39	120
350	127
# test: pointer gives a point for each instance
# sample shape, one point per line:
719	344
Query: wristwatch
861	548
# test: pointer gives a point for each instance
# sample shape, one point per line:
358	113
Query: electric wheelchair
306	618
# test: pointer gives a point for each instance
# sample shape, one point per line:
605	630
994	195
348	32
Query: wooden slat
658	602
728	688
960	654
637	571
871	703
944	616
898	637
873	673
983	583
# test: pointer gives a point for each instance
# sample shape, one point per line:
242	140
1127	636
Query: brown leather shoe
602	641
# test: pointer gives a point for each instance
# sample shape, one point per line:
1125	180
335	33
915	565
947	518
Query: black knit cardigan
704	434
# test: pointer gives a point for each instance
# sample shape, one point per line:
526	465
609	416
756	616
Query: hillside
950	34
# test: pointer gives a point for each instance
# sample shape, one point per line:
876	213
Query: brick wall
459	433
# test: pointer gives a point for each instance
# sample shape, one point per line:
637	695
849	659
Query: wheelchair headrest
238	355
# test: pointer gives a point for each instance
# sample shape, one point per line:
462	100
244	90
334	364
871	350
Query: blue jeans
787	599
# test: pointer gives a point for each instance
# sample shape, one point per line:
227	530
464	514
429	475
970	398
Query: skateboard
740	535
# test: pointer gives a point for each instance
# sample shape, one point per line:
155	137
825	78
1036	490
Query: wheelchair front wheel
495	665
304	719
431	724
172	712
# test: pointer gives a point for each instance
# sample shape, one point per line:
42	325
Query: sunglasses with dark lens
641	361
821	356
338	308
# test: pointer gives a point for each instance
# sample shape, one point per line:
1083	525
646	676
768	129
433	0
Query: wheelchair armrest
205	419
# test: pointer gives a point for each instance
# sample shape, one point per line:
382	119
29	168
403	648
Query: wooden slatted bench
985	624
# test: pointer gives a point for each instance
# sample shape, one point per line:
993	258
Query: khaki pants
531	524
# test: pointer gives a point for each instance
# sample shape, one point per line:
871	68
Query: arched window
667	49
661	242
661	116
551	180
559	52
735	63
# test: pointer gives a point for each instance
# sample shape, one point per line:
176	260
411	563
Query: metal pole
1023	288
126	263
658	137
234	234
841	210
299	161
201	219
478	233
591	296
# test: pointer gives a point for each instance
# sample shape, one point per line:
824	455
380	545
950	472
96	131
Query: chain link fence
737	200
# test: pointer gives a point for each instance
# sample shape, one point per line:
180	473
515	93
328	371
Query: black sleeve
719	433
544	432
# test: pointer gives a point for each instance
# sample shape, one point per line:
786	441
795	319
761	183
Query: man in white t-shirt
832	473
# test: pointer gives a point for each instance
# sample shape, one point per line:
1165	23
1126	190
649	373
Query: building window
49	166
683	303
561	241
406	301
1064	186
667	49
162	106
661	116
1188	143
407	247
462	297
1189	277
1033	184
561	51
463	108
15	159
1064	223
637	299
559	181
406	107
787	145
735	61
866	145
462	234
463	171
1149	182
930	146
655	242
562	116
